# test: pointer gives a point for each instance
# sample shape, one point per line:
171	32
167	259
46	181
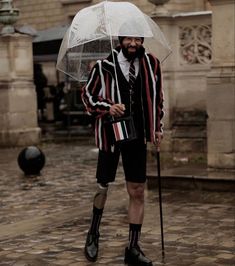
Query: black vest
136	100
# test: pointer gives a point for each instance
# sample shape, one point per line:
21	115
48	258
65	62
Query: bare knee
136	191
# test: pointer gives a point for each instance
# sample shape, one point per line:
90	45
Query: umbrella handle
160	201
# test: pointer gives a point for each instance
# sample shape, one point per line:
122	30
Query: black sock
134	234
96	218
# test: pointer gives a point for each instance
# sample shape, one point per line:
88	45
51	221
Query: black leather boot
135	257
92	246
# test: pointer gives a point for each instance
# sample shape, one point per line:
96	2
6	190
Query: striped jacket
101	91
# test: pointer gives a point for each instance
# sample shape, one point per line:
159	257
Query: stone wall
43	14
40	14
177	6
185	83
221	90
18	112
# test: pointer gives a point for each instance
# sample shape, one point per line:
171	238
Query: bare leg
133	253
136	202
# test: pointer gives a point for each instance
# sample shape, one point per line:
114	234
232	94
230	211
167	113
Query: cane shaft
160	202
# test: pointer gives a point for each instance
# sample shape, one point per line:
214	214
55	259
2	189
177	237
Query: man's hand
158	139
117	110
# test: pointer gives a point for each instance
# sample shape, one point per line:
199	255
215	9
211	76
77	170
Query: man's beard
131	56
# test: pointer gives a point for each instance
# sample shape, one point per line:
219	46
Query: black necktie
132	74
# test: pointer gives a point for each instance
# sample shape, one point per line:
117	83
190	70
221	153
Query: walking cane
160	200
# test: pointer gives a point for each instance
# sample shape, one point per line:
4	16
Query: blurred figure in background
40	81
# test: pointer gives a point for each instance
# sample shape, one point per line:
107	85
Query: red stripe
155	64
97	134
148	100
107	86
117	135
105	144
160	100
95	84
159	111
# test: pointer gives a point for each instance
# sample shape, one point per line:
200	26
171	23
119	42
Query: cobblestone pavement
44	220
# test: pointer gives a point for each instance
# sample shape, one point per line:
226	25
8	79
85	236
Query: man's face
131	46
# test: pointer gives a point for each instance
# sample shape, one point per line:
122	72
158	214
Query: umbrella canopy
95	28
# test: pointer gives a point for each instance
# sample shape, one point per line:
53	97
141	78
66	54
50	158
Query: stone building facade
43	14
196	64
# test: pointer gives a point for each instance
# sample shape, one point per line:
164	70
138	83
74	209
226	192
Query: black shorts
133	160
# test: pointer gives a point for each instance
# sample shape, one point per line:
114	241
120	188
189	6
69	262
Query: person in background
40	81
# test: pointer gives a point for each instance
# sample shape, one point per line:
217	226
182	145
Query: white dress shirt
125	65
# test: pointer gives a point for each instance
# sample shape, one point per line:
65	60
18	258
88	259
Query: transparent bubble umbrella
94	30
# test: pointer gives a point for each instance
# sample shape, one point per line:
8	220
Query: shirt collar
121	57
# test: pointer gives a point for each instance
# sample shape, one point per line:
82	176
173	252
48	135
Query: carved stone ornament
8	16
195	44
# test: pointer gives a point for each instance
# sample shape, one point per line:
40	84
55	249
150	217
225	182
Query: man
40	81
127	83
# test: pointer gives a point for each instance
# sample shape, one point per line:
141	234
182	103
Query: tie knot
132	61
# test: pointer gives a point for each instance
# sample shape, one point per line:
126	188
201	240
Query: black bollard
31	160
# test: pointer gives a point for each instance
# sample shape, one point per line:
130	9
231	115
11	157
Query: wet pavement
44	219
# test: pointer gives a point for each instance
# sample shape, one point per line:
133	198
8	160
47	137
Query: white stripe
112	91
120	130
102	91
119	96
126	132
99	134
115	51
89	96
112	85
163	113
86	88
108	62
154	97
